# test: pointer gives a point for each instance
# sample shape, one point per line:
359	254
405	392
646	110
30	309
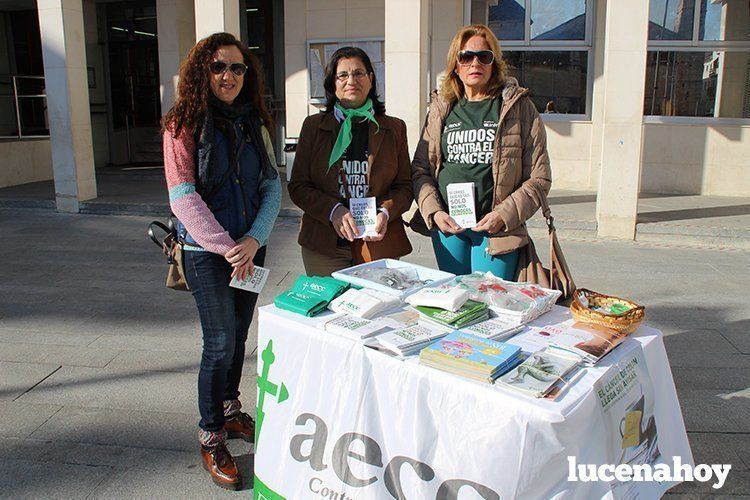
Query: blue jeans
225	315
466	252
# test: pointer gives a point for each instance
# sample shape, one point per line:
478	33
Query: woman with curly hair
481	127
226	193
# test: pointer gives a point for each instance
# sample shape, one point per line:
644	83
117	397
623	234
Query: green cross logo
265	386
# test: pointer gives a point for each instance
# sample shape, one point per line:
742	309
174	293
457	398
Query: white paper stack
411	340
451	299
364	303
461	204
499	328
353	327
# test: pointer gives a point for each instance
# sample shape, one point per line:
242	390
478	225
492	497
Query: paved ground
98	360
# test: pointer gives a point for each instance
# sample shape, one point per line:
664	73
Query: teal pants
466	252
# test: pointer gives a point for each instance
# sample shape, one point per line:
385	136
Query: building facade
638	96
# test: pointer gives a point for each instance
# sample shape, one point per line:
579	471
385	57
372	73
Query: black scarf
224	116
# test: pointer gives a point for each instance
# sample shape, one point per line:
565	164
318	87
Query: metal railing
15	82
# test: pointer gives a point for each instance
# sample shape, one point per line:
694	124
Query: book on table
471	356
588	341
471	312
410	340
540	372
353	327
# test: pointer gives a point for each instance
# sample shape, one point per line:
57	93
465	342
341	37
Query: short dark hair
329	82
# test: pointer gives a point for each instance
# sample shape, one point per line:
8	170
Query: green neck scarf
345	132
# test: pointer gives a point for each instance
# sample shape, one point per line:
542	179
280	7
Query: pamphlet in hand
364	212
253	282
461	204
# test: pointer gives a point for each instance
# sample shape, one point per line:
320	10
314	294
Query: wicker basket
623	323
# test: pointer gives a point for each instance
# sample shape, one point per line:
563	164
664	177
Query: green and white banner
339	421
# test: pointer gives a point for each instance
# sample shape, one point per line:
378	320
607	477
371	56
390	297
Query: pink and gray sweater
192	211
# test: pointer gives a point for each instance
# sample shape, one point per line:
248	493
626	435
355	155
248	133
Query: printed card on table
364	212
253	282
461	204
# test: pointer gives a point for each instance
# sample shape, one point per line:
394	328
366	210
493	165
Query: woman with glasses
226	193
481	128
350	152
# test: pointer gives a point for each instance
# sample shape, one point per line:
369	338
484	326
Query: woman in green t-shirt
483	136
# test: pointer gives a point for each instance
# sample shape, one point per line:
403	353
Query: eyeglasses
466	57
219	67
358	74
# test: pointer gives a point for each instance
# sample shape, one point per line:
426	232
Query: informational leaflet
461	204
253	282
364	212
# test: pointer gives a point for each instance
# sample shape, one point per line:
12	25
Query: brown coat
316	193
520	166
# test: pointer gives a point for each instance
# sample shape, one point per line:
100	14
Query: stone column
176	27
213	16
622	131
407	78
66	83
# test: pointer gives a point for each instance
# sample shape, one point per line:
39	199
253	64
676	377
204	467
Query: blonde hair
452	88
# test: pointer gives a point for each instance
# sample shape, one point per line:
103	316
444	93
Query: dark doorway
129	32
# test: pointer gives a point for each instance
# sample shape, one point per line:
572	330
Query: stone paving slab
45	338
161	430
117	389
728	379
715	411
19	419
22	479
17	378
59	355
133	483
190	340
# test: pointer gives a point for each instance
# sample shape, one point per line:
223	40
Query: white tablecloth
338	420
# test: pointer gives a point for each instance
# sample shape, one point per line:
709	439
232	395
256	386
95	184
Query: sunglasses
466	57
219	67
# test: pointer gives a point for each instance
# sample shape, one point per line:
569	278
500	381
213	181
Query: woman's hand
445	223
381	226
491	223
241	257
343	223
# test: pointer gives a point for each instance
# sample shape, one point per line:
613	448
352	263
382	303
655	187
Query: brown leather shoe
241	426
220	464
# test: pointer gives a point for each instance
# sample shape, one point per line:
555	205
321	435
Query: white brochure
253	282
364	212
461	204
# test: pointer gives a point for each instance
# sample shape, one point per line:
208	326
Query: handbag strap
547	213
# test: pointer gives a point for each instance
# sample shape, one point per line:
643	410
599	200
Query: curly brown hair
194	88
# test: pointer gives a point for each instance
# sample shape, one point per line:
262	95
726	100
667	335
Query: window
698	62
547	47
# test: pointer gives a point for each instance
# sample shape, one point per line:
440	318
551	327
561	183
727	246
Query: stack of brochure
518	301
310	295
588	341
410	340
499	328
471	356
448	298
353	327
471	312
364	303
540	372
